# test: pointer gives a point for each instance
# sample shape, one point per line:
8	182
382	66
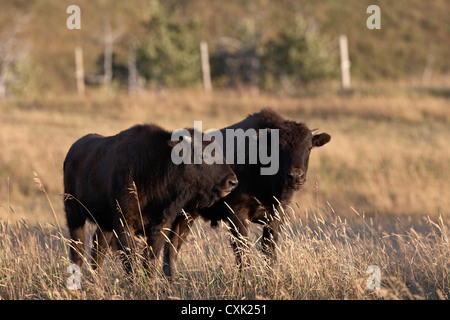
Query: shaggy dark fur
257	196
129	184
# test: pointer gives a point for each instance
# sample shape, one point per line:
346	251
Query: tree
14	62
299	55
169	56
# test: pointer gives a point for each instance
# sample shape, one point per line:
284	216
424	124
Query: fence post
79	71
205	66
426	75
345	62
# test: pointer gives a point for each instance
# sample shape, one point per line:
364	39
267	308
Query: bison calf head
297	141
210	180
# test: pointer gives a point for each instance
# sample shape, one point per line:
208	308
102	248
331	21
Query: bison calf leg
75	222
155	242
178	233
77	246
101	240
239	241
126	247
270	239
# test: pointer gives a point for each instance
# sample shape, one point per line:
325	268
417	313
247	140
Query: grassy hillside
414	34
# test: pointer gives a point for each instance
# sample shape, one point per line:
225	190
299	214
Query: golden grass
322	256
377	194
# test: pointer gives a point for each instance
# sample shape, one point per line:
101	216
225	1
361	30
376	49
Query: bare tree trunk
11	51
109	37
132	71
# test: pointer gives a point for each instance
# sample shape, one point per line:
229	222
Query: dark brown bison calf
127	184
258	198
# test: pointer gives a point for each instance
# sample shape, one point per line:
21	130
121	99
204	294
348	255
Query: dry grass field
377	194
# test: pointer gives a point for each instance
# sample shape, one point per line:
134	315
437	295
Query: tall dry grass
322	256
377	194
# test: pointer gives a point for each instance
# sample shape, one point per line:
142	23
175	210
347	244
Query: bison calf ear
319	140
172	143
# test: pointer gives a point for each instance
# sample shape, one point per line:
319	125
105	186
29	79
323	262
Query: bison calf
258	198
127	184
